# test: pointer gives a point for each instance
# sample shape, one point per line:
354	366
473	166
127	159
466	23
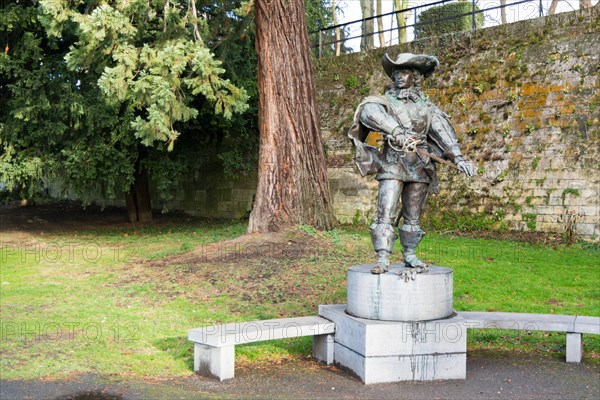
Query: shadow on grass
178	347
275	349
93	395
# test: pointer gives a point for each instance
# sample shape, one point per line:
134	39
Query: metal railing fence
353	33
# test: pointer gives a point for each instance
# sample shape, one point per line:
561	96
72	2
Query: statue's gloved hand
464	166
398	137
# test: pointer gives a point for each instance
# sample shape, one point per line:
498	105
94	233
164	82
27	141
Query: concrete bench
214	346
573	325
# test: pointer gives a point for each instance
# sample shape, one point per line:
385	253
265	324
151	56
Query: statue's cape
367	158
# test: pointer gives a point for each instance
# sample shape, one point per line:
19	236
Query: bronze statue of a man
414	131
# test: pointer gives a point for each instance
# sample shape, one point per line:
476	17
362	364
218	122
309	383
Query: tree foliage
95	92
150	55
322	14
99	94
439	20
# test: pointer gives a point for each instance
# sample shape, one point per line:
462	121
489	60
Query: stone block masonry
525	101
214	197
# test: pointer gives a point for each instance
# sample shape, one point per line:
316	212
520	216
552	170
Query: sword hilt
409	145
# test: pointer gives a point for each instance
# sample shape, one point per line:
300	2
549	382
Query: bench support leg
215	362
323	348
574	347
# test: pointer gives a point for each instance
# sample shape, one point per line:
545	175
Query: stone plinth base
390	297
390	351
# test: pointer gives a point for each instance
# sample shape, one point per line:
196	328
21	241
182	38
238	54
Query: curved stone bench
575	326
214	346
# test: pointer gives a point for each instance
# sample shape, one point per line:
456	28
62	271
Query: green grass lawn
104	301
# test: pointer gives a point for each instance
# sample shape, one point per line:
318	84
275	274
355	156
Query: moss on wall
524	100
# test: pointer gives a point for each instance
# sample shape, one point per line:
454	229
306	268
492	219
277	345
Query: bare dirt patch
283	245
270	269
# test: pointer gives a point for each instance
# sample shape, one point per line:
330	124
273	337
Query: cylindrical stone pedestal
390	297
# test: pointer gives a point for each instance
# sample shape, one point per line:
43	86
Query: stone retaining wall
525	101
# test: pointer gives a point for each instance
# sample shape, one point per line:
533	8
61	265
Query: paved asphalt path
490	375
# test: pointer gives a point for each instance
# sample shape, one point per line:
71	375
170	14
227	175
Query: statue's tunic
417	118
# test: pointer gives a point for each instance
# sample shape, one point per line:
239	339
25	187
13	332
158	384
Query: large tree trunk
503	11
139	205
292	179
552	9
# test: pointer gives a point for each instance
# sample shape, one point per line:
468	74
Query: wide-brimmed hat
421	62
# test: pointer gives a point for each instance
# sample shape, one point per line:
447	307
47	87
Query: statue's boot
382	264
410	237
383	238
